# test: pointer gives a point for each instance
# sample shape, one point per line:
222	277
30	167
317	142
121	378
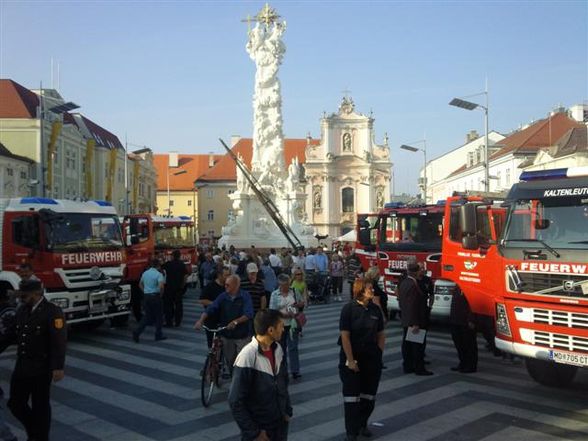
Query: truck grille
553	284
560	318
555	341
80	278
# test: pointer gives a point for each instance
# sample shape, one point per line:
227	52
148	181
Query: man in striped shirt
255	287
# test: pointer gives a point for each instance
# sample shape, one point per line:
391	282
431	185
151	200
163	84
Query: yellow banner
51	148
90	143
112	171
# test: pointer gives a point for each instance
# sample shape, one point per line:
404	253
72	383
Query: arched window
210	215
347	200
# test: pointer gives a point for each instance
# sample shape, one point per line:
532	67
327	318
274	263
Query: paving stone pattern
116	390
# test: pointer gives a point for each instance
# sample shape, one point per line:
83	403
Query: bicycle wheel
209	379
219	368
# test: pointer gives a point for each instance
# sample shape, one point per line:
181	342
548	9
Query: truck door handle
382	256
448	267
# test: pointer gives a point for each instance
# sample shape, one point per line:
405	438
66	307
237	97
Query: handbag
300	319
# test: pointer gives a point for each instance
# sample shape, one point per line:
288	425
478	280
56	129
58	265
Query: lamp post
58	110
180	172
468	105
410	148
143	149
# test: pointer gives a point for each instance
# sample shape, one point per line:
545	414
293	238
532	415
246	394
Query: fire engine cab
526	263
398	235
75	249
148	235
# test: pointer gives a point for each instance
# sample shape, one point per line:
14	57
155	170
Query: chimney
173	159
471	135
210	160
234	140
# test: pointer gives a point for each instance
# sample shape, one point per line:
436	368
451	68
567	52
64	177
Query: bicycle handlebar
217	330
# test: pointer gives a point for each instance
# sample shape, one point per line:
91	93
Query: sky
175	76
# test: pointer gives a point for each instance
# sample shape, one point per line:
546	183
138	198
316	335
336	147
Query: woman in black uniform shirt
360	362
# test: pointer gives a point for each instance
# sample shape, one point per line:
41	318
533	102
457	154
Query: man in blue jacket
234	309
259	397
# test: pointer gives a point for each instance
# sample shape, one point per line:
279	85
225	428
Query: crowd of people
260	299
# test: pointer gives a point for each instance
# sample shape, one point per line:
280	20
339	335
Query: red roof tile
226	170
195	165
17	101
543	133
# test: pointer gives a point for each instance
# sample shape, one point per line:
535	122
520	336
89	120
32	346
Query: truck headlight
502	326
62	302
123	295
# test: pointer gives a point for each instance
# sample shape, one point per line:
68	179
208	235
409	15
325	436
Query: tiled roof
574	140
543	133
17	101
226	170
102	136
8	154
459	170
195	165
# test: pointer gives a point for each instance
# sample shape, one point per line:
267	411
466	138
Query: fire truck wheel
550	373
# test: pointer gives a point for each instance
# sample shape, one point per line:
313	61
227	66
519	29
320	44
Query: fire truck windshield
169	236
77	232
560	223
411	231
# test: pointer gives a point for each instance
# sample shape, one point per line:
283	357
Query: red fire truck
75	248
400	234
148	235
529	268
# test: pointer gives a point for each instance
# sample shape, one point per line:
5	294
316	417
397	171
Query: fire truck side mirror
467	220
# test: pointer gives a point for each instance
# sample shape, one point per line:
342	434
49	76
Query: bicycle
213	366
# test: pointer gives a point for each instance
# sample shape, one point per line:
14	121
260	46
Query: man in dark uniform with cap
40	334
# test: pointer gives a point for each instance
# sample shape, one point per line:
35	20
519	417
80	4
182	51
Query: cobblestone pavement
117	390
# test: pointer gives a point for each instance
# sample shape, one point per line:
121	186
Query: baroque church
346	173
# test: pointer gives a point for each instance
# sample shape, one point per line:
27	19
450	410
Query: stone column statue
266	49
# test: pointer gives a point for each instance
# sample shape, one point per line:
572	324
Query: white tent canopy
350	236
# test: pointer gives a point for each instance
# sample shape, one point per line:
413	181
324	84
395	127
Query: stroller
319	287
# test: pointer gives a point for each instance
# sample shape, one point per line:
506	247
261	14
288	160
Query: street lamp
468	105
424	150
180	172
143	149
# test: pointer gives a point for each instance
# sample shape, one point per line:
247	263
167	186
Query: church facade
346	173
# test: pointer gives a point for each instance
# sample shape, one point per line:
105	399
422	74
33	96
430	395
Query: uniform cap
252	268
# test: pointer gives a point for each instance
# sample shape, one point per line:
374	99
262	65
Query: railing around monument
265	200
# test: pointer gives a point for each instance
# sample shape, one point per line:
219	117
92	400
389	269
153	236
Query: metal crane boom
265	200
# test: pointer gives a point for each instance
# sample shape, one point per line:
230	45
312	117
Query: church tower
347	173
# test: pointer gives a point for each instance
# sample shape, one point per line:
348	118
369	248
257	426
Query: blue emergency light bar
394	205
556	173
34	200
185	217
103	203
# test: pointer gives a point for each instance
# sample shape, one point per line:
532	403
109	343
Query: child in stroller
319	286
